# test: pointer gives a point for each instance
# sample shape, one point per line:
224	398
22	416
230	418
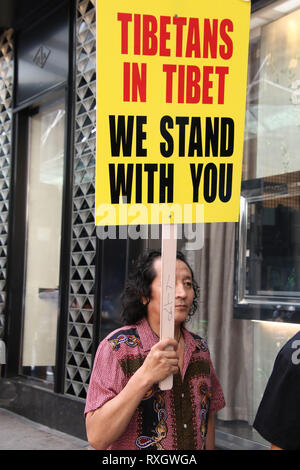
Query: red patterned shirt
173	419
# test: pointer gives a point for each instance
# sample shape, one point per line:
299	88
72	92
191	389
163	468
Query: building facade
60	284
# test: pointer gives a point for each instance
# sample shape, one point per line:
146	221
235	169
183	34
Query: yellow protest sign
171	96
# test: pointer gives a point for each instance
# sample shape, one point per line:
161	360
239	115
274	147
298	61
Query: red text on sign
193	84
194	37
134	82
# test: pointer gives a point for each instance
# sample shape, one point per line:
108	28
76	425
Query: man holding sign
125	408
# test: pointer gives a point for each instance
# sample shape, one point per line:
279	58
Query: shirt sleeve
217	398
106	378
278	415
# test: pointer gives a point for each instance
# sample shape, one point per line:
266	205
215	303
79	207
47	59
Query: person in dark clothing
278	415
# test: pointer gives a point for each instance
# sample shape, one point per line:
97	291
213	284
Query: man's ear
144	301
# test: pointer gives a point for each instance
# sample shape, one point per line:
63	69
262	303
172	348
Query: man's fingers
174	370
170	354
173	362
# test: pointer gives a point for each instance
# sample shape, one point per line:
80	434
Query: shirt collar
190	341
146	334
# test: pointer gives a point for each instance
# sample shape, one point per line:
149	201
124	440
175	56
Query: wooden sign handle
167	298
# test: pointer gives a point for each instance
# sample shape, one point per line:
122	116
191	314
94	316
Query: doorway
46	142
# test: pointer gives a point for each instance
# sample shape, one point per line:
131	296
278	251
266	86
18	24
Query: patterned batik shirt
174	419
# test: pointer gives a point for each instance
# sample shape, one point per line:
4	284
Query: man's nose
180	290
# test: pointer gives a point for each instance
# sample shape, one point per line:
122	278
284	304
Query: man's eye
188	283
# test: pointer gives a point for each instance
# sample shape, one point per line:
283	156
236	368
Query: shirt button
185	426
182	395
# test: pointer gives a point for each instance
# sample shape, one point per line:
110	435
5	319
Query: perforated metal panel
6	91
80	323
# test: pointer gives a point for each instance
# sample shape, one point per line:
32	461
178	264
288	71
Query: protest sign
171	93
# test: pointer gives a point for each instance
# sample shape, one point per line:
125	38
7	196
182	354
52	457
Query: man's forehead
181	268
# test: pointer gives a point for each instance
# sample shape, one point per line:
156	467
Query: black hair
138	287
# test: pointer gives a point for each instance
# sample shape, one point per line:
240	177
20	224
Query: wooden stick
167	298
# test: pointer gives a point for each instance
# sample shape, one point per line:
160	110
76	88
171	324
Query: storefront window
44	206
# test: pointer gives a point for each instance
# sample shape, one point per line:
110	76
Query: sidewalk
19	433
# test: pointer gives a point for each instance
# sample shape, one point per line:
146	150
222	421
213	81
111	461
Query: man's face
184	293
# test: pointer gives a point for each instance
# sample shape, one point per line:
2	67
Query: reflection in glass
273	249
273	111
269	255
44	205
